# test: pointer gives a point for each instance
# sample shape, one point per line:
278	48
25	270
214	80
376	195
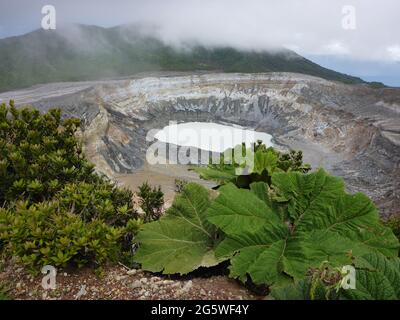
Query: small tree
179	185
151	201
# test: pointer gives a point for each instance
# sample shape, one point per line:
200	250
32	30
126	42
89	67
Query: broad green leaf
324	224
260	189
253	166
219	174
301	290
309	195
251	246
265	160
183	240
377	278
239	210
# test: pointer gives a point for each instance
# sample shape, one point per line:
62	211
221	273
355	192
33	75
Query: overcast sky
313	28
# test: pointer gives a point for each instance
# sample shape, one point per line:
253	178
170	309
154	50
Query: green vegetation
319	222
265	161
179	185
275	229
88	52
377	278
56	209
377	85
3	293
182	240
44	234
394	224
151	201
278	226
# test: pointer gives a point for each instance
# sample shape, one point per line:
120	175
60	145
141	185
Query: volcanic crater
351	130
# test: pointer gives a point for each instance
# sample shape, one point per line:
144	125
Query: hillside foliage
55	208
278	225
274	229
262	160
377	278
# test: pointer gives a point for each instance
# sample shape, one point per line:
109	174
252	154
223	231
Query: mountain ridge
82	52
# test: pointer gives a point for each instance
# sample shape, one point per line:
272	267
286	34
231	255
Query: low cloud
394	52
335	48
311	27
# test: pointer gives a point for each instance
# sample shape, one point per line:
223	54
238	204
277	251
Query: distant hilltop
81	52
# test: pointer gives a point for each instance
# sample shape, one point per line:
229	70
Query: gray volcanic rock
352	130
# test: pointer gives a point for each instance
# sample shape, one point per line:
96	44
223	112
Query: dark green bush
151	201
266	162
180	185
98	200
44	234
394	224
56	209
4	293
39	154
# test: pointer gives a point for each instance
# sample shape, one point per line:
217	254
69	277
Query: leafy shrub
323	283
180	185
317	222
377	278
43	234
98	200
182	240
394	224
57	209
264	162
151	201
128	241
376	85
320	222
39	154
4	293
273	232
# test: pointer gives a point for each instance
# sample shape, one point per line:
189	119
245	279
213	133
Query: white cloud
335	48
292	47
394	52
311	26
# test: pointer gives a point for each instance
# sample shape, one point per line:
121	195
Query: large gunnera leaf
219	173
257	166
377	278
183	240
321	223
301	290
243	166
